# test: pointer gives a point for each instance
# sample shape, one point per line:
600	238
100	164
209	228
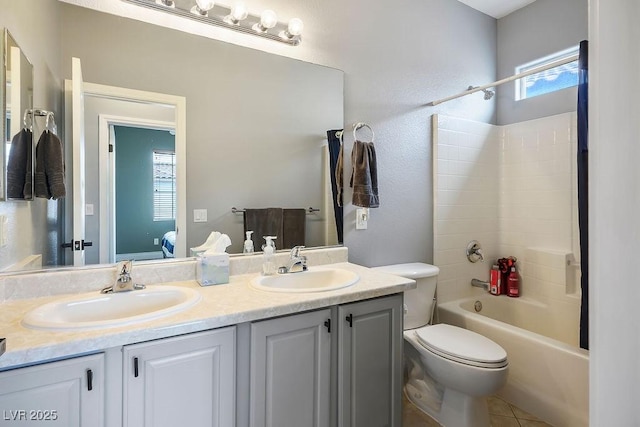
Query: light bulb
268	19
237	14
205	4
295	27
202	7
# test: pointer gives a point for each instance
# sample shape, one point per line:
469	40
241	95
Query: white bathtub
547	377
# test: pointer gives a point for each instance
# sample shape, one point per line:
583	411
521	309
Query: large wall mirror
16	177
256	134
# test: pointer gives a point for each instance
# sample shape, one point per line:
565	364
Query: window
551	80
164	185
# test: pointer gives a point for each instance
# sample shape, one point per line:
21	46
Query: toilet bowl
448	371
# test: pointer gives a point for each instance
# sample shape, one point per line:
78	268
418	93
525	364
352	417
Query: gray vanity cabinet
68	393
188	380
291	371
370	363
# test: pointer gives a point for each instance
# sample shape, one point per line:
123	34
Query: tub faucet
123	282
296	263
480	284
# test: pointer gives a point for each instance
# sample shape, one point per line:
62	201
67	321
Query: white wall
614	203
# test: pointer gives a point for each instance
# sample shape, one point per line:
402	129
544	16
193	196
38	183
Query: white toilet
448	371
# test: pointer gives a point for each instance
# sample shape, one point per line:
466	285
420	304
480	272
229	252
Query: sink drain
477	306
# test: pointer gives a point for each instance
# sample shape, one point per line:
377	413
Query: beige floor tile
523	415
498	406
533	423
500	421
414	417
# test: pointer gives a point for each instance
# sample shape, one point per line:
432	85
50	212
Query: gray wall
396	59
135	227
34	26
537	30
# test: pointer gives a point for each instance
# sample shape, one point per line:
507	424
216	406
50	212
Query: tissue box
212	269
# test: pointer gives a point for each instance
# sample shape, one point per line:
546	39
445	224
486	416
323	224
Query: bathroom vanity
239	357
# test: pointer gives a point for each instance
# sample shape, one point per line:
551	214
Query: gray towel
49	176
293	227
19	166
264	222
364	175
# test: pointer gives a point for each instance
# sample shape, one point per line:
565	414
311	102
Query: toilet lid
462	345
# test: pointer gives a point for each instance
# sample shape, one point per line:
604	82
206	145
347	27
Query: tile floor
502	414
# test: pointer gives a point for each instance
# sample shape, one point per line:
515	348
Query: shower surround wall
512	188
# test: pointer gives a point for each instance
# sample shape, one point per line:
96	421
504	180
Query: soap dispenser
248	244
268	267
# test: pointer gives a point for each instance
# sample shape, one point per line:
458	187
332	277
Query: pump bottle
268	266
248	244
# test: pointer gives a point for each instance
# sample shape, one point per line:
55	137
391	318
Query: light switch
199	215
88	209
156	241
362	216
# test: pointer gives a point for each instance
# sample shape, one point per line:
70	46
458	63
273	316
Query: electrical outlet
88	209
156	241
362	216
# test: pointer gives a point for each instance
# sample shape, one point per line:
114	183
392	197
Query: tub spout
480	284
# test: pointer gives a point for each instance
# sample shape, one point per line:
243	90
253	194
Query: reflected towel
49	176
293	227
364	175
19	165
339	176
264	222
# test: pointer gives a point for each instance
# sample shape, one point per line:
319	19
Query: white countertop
221	305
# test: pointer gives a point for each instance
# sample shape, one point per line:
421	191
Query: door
75	204
187	380
69	393
290	371
370	363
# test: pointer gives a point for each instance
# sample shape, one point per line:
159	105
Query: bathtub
548	378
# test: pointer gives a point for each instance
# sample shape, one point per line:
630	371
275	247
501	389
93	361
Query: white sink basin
94	310
315	279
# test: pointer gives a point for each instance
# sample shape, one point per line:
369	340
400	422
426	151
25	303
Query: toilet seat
461	345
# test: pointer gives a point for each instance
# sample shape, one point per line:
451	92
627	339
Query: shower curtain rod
508	79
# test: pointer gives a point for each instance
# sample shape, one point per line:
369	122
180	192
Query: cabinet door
68	393
370	363
187	380
291	371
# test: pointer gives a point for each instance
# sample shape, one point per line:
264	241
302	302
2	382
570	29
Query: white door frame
180	107
107	184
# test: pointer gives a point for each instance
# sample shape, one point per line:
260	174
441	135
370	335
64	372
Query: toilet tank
418	302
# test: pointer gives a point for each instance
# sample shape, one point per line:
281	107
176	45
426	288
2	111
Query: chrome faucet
123	283
480	284
474	251
296	263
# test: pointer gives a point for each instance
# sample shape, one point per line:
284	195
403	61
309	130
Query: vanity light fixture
202	7
236	18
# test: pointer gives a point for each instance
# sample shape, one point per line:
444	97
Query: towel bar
309	210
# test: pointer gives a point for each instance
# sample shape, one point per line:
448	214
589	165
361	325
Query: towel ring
27	113
339	135
361	125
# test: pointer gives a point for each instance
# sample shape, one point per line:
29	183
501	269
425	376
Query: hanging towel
364	175
339	174
49	176
19	165
335	165
293	227
264	222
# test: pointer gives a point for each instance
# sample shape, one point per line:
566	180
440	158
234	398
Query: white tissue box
212	269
